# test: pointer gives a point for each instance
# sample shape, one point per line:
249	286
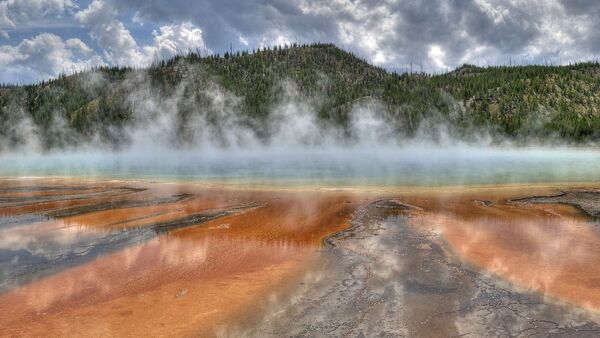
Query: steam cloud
198	130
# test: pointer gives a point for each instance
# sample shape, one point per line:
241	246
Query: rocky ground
381	278
587	201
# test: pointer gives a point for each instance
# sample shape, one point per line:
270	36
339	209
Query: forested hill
523	102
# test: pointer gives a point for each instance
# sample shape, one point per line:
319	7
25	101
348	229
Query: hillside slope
522	103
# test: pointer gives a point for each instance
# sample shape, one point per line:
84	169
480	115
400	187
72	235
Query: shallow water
42	248
415	165
105	257
137	258
395	275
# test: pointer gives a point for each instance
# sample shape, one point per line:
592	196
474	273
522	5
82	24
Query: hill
521	103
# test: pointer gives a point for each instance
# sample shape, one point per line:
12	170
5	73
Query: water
80	265
42	248
421	166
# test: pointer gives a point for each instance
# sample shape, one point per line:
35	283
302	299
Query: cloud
120	47
45	55
172	40
434	34
111	35
19	13
395	34
581	24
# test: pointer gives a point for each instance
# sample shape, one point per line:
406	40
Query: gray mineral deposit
384	279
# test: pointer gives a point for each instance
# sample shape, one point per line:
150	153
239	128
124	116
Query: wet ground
588	201
382	278
85	258
113	258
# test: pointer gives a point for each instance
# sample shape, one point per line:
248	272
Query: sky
39	39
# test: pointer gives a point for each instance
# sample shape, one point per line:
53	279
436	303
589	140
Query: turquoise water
337	167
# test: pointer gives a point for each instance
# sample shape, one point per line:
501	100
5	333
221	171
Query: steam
201	115
198	130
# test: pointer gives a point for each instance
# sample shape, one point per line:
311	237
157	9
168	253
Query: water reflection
547	249
393	278
182	260
177	277
42	248
176	260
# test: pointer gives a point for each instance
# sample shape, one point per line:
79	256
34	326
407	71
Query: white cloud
275	39
397	33
45	55
119	46
18	13
79	46
434	33
370	29
138	19
497	13
175	40
437	56
110	34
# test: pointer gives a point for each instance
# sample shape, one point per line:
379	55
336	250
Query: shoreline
266	187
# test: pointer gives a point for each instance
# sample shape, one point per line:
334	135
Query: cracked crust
586	201
383	278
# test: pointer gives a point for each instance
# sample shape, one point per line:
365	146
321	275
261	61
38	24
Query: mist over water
417	164
213	141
